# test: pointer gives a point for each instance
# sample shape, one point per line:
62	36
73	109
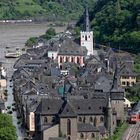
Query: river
14	36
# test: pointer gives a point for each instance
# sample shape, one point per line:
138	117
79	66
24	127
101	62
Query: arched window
101	119
92	135
84	120
45	119
80	119
78	60
69	138
72	59
86	37
61	59
68	127
95	121
67	59
91	119
81	135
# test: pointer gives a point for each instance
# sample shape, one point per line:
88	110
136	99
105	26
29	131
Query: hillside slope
117	23
55	9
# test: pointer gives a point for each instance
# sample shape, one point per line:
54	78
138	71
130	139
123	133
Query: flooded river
14	36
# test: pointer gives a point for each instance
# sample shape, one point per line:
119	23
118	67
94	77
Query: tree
31	42
7	129
49	34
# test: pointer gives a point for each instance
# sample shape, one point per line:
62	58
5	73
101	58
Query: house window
101	119
123	83
68	127
81	135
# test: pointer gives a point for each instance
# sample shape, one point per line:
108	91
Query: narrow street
10	100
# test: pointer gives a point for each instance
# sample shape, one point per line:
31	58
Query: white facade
87	41
52	54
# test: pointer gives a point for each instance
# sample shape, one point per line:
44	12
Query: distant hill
116	23
53	9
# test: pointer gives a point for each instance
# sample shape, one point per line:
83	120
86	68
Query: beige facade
51	132
118	106
68	128
31	122
88	136
128	80
3	83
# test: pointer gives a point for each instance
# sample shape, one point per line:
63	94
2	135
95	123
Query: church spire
87	24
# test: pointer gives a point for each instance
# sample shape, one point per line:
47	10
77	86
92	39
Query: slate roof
89	106
69	47
49	106
68	111
86	127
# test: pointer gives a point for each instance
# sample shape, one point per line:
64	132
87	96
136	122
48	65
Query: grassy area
119	132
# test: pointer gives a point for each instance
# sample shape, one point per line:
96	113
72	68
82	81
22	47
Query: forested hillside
117	23
55	9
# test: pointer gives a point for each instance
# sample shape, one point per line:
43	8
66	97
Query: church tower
87	35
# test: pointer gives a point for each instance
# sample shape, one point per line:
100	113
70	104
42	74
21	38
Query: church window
78	60
95	121
91	119
45	119
84	120
83	36
80	119
92	135
89	36
81	135
67	59
61	59
86	37
68	127
72	59
101	119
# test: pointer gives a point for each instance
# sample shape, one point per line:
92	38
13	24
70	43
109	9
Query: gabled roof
49	106
69	47
68	111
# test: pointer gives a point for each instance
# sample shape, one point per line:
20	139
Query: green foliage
7	130
48	35
31	42
53	9
119	132
117	23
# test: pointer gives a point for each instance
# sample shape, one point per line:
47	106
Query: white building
87	36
